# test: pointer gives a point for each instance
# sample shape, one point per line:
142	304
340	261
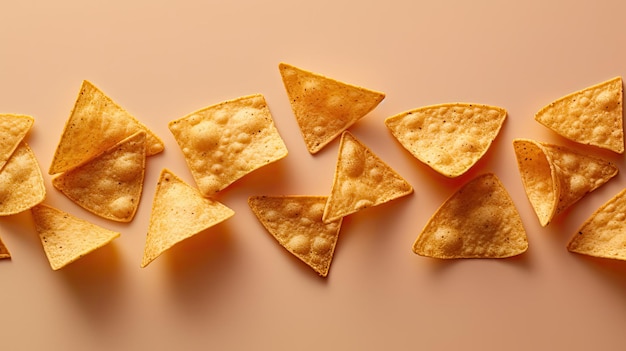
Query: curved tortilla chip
325	107
361	180
604	233
592	116
13	129
66	238
224	142
450	138
21	182
296	223
478	221
96	124
556	177
110	184
178	212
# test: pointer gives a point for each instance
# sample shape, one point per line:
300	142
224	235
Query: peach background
233	287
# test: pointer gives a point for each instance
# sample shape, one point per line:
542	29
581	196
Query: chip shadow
199	267
96	282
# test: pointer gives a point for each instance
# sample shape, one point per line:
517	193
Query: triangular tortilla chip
325	107
13	129
592	116
555	177
178	212
21	182
224	142
604	233
478	221
4	252
361	180
66	238
110	184
96	124
296	223
450	138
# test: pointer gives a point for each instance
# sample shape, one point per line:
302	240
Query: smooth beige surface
234	287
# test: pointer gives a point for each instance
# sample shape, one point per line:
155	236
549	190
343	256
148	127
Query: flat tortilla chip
110	184
604	233
13	129
556	177
325	107
592	116
296	223
4	252
478	221
66	238
21	182
95	125
450	138
224	142
178	212
361	180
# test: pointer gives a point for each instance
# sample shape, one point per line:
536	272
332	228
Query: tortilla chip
224	142
324	107
556	177
178	212
95	125
478	221
110	184
13	129
4	252
361	180
21	182
296	223
66	238
450	138
592	116
604	233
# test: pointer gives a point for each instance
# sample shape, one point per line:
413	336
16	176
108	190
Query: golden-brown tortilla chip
178	212
604	233
296	223
66	238
556	177
13	129
591	116
21	182
478	221
450	138
110	184
95	125
224	142
361	180
325	107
